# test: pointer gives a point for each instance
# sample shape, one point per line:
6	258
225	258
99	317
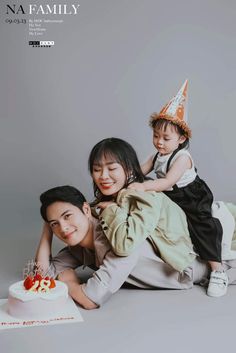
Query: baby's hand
137	186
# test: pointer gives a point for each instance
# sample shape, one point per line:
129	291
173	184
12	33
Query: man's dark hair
64	193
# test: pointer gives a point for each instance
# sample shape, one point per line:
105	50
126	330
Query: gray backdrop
112	65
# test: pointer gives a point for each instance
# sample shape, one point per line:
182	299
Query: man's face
68	222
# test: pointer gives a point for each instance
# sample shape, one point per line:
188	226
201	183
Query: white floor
132	321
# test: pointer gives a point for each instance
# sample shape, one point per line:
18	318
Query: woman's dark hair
64	193
161	124
123	153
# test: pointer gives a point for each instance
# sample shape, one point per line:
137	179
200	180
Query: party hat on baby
175	110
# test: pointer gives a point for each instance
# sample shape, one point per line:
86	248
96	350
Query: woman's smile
107	185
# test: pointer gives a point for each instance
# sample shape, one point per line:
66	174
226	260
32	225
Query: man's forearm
76	292
70	278
43	252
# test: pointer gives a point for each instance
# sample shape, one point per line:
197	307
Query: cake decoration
35	280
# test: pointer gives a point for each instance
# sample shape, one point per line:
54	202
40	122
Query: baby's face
168	140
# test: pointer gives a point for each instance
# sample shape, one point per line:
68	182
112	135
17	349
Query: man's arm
63	260
43	253
70	278
112	273
63	265
106	280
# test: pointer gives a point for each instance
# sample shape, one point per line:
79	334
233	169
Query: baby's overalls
196	199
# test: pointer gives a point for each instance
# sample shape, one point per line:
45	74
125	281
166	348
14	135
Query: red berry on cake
38	277
28	282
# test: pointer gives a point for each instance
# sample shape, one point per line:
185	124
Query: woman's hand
137	186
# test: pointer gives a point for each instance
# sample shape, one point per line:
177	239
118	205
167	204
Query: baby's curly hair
161	124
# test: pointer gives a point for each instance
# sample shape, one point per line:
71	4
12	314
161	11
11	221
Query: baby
177	178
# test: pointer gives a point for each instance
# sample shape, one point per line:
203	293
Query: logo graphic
41	43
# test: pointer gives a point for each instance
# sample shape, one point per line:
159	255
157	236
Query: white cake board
70	316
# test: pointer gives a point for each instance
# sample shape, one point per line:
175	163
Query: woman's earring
130	178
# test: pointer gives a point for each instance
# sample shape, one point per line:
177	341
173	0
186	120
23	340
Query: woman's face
109	176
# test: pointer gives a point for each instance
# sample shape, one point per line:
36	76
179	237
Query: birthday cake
37	297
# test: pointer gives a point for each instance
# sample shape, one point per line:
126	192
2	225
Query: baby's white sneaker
218	284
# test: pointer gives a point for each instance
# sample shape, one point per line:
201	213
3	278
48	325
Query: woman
128	216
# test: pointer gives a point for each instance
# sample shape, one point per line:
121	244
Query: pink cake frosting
25	304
